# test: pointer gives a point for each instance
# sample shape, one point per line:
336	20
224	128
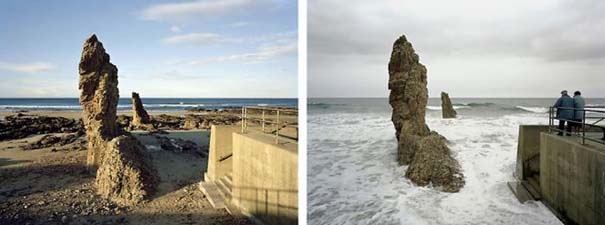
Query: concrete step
224	188
216	199
533	186
228	180
520	191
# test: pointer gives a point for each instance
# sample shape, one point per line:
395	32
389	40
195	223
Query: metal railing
272	120
594	121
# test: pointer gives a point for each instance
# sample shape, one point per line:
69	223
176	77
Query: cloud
500	43
185	11
199	38
239	24
279	38
263	53
26	67
551	30
175	29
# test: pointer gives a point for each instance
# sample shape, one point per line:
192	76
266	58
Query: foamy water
353	176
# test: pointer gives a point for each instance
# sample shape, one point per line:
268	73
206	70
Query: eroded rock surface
426	152
140	118
408	97
98	97
126	175
433	163
447	109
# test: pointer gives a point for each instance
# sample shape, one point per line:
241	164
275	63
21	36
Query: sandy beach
51	185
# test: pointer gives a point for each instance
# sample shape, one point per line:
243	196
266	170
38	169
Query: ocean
150	104
353	176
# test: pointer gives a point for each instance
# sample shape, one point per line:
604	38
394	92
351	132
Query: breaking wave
438	108
533	109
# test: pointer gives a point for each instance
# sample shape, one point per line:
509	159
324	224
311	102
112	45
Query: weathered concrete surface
447	109
126	175
572	178
265	178
528	150
140	118
221	146
408	96
98	97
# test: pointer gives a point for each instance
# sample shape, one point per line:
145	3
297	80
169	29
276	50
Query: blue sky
210	48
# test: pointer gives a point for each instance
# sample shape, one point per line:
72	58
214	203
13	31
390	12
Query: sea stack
124	174
447	110
140	118
426	152
408	97
98	97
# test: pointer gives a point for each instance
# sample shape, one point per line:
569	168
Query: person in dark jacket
578	104
565	112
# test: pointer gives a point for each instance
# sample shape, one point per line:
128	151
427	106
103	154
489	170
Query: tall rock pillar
447	109
140	118
426	152
98	98
408	97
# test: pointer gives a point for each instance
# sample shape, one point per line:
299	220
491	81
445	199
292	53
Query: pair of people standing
570	110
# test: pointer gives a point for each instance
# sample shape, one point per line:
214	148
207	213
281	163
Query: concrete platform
572	177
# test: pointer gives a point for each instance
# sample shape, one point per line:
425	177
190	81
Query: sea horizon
150	103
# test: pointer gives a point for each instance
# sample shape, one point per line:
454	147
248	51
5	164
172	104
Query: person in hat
565	112
579	104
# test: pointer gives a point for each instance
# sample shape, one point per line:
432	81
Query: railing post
277	130
263	120
243	121
550	119
246	119
583	126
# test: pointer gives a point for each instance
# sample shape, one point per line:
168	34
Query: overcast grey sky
471	48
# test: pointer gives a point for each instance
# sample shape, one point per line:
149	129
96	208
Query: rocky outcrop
447	109
433	163
179	145
48	140
126	175
140	118
21	126
124	121
408	97
98	97
426	152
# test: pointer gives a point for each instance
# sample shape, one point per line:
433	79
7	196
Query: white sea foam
353	177
438	108
533	109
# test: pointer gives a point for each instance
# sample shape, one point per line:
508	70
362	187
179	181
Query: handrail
584	124
264	120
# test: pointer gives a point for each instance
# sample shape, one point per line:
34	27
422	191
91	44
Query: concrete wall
220	147
572	178
528	150
265	178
